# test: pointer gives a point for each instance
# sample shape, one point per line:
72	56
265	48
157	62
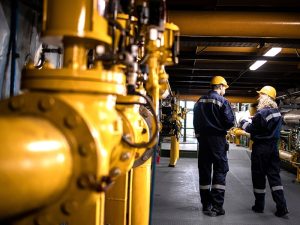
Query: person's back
213	116
265	132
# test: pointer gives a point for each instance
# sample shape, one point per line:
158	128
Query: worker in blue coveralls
265	132
213	116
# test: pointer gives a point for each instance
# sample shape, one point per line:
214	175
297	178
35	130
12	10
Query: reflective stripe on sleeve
204	187
214	101
245	125
259	191
277	188
218	186
273	115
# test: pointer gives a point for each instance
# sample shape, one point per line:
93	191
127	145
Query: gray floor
177	201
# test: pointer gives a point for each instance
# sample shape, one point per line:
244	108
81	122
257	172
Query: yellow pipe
35	164
237	24
141	180
75	56
80	19
174	151
116	202
153	80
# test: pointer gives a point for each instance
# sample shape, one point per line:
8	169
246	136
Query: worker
213	116
265	132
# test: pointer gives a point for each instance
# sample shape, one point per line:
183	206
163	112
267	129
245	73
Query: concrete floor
177	201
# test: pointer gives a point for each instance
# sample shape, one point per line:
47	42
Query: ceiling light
257	64
271	53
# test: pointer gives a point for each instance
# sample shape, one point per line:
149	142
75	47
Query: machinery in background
171	120
289	145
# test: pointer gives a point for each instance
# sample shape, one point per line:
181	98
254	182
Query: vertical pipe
184	125
174	151
13	33
141	194
116	202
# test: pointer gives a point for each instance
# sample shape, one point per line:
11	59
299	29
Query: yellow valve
134	127
152	86
169	45
75	121
163	83
123	156
124	20
82	19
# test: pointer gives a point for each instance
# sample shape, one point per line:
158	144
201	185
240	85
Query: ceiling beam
218	56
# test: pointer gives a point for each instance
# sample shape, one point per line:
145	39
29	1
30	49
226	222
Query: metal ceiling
224	37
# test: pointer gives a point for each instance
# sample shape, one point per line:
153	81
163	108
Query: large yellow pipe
141	184
237	24
35	164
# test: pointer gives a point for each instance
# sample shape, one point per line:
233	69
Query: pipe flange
84	181
146	155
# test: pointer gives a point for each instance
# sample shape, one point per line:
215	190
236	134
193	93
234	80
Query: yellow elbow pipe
35	164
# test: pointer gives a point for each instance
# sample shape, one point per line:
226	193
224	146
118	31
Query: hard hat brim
260	92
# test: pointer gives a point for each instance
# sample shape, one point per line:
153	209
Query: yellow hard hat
219	80
268	90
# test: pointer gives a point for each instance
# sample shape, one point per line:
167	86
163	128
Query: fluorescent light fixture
271	53
257	64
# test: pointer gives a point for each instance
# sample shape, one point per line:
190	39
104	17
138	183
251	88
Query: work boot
257	209
206	209
281	212
216	212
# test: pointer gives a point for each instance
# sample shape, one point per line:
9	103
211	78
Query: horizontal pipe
35	164
237	24
292	117
285	155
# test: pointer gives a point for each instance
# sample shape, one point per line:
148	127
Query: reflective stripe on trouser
265	162
212	153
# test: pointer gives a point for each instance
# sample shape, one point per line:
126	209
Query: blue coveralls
213	116
265	132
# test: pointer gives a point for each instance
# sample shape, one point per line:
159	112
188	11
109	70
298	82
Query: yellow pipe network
35	164
78	102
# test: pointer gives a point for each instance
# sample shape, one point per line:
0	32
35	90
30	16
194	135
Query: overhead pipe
237	24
